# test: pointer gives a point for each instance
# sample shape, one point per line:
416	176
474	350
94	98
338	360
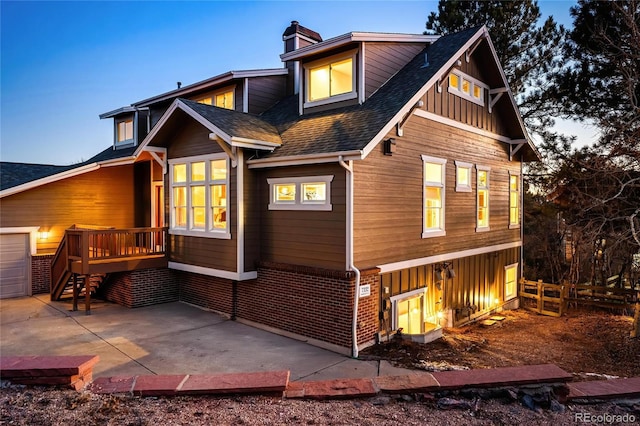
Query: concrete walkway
167	339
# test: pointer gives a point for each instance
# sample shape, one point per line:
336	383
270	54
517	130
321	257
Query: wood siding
383	60
264	92
252	214
193	139
389	195
310	238
103	197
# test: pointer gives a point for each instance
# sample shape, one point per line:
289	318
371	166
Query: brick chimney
295	37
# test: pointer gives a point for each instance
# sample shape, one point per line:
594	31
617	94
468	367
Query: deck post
87	295
75	292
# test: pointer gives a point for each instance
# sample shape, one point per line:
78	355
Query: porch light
43	233
389	146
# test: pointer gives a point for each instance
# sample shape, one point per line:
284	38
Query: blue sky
64	63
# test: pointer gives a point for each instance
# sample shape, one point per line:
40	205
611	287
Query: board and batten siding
265	92
388	193
305	237
383	60
104	197
193	140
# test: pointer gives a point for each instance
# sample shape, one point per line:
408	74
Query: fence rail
554	299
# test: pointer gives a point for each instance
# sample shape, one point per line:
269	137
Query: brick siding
41	273
208	292
143	287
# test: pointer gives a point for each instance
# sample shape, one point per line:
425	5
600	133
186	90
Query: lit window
434	190
199	197
510	281
467	87
409	312
206	101
225	100
300	193
331	81
463	177
125	130
514	200
483	199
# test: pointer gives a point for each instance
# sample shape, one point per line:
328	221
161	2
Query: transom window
124	131
514	200
465	86
463	177
300	193
482	223
434	192
330	81
199	196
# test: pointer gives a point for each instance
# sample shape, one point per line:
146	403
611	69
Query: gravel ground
43	406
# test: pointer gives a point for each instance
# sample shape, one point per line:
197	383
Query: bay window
199	196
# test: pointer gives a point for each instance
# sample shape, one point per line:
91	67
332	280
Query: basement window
300	193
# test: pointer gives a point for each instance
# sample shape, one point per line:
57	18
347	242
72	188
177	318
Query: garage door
14	265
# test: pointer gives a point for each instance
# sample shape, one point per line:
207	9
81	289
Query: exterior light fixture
43	233
389	146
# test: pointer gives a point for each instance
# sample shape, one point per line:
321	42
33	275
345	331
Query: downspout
350	264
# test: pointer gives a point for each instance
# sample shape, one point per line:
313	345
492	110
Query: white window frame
513	295
337	98
515	225
132	139
474	83
299	203
464	186
428	233
421	292
487	188
209	231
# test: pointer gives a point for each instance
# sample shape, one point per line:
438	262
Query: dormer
130	126
348	69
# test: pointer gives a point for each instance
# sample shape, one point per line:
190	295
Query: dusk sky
64	63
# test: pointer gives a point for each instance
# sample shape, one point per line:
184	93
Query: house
371	185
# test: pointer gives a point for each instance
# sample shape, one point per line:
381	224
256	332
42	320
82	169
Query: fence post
540	296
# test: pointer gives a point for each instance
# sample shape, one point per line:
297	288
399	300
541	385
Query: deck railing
85	245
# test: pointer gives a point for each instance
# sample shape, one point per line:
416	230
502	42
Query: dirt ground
587	343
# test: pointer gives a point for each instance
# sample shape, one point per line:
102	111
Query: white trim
239	212
463	187
213	81
295	160
441	231
253	143
361	72
49	179
457	91
462	126
513	265
33	237
408	294
213	272
299	203
347	38
519	192
351	54
245	96
395	266
487	187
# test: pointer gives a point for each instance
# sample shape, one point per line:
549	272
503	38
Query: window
331	81
221	100
300	193
514	201
482	223
409	312
510	281
434	191
124	131
465	86
463	177
199	196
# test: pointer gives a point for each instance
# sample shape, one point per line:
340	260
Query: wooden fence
554	299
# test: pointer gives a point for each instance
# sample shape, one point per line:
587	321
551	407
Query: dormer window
221	99
124	131
467	87
330	80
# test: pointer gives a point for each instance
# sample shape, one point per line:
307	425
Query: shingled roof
352	128
16	174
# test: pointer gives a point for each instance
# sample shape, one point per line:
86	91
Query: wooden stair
95	280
